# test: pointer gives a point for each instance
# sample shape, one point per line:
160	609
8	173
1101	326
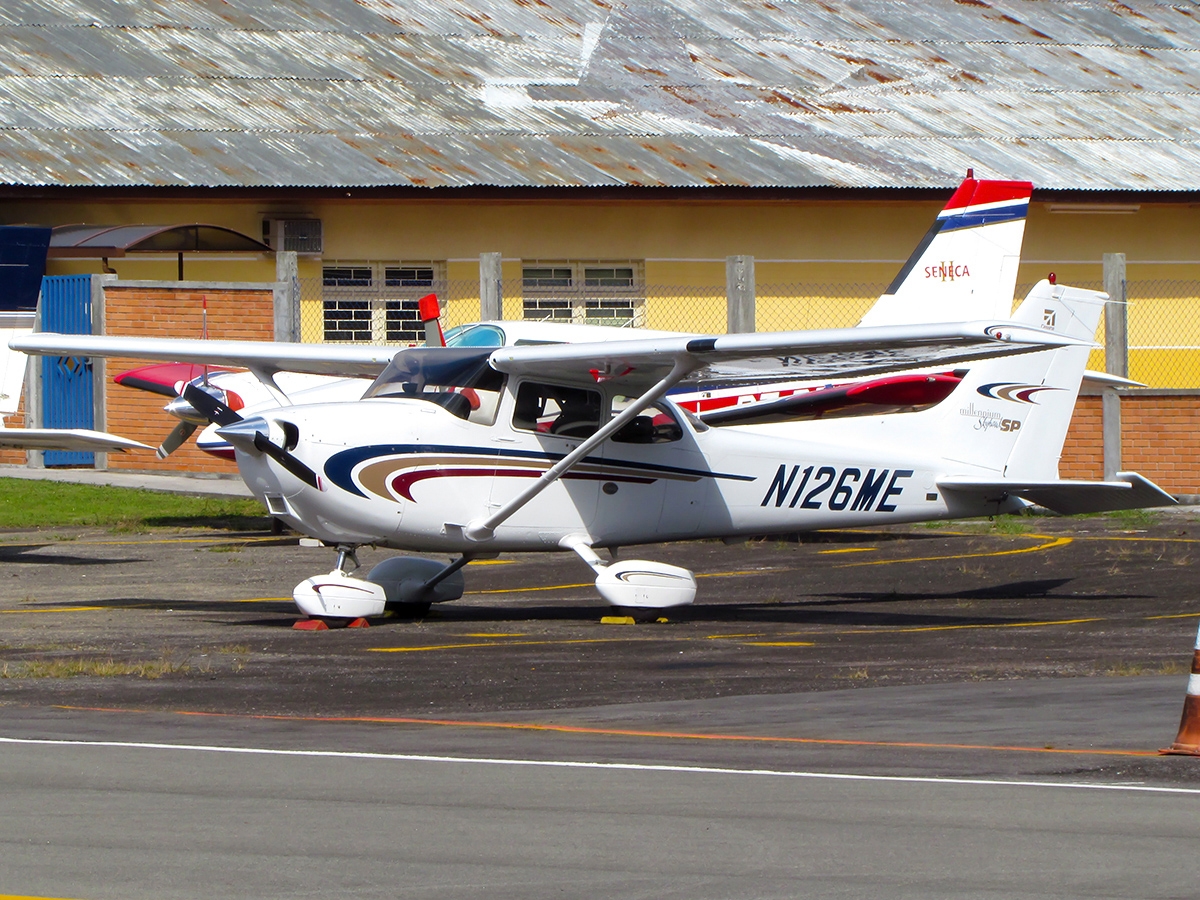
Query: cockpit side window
554	409
656	424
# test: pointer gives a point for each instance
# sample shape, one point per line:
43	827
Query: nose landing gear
406	584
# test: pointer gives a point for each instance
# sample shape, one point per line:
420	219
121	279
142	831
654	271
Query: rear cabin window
554	409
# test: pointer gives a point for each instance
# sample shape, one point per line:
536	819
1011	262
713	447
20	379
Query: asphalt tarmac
953	711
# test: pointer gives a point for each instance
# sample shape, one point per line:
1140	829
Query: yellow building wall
818	263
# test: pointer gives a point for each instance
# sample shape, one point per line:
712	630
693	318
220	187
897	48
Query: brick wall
1160	439
242	314
16	420
1083	451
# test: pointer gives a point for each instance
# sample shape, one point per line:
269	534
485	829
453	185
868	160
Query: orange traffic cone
1187	742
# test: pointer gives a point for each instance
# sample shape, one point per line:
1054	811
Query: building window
378	302
593	293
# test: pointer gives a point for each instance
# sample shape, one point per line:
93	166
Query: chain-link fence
1163	315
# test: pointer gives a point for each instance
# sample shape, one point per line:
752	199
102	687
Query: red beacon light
1052	278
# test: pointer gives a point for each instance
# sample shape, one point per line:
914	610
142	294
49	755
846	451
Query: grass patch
1135	518
101	668
50	504
1009	525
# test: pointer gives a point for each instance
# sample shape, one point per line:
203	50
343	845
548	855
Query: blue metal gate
67	391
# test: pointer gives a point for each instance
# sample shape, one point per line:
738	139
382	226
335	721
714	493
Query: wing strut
483	529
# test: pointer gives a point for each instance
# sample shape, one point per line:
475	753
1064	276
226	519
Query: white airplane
575	447
12	378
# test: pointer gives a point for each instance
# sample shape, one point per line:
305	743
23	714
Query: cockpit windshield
459	379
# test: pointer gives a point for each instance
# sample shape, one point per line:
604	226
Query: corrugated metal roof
1071	94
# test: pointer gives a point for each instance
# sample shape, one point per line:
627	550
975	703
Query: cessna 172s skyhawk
576	447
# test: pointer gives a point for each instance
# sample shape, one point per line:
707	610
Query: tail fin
1009	416
965	268
12	362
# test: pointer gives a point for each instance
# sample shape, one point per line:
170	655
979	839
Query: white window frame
583	297
380	296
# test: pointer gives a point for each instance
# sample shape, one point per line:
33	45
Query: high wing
267	357
65	439
834	353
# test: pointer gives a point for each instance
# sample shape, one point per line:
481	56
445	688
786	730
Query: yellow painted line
1051	543
726	637
916	628
644	637
846	550
491	562
204	540
625	732
739	572
551	587
27	897
588	584
1123	537
500	644
496	634
61	609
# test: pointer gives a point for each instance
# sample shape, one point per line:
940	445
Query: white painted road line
628	767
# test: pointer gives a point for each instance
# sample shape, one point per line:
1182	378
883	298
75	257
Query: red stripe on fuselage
402	483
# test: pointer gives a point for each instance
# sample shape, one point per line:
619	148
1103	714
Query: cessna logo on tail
1017	393
947	271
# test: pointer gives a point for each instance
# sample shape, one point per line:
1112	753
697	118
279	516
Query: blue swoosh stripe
338	468
985	217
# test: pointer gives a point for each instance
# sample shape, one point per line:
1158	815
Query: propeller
187	403
248	433
175	439
209	406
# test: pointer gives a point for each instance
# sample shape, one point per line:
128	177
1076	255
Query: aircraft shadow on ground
801	611
160	604
1015	590
23	554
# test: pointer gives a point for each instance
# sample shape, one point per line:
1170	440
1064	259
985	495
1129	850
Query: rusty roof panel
1077	94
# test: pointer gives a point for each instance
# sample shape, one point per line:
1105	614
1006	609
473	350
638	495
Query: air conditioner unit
301	235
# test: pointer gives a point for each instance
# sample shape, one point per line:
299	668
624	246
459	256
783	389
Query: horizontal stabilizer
1097	380
1130	491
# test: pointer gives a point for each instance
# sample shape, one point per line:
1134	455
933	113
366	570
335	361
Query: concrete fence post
739	294
99	382
1116	358
287	296
34	417
491	290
